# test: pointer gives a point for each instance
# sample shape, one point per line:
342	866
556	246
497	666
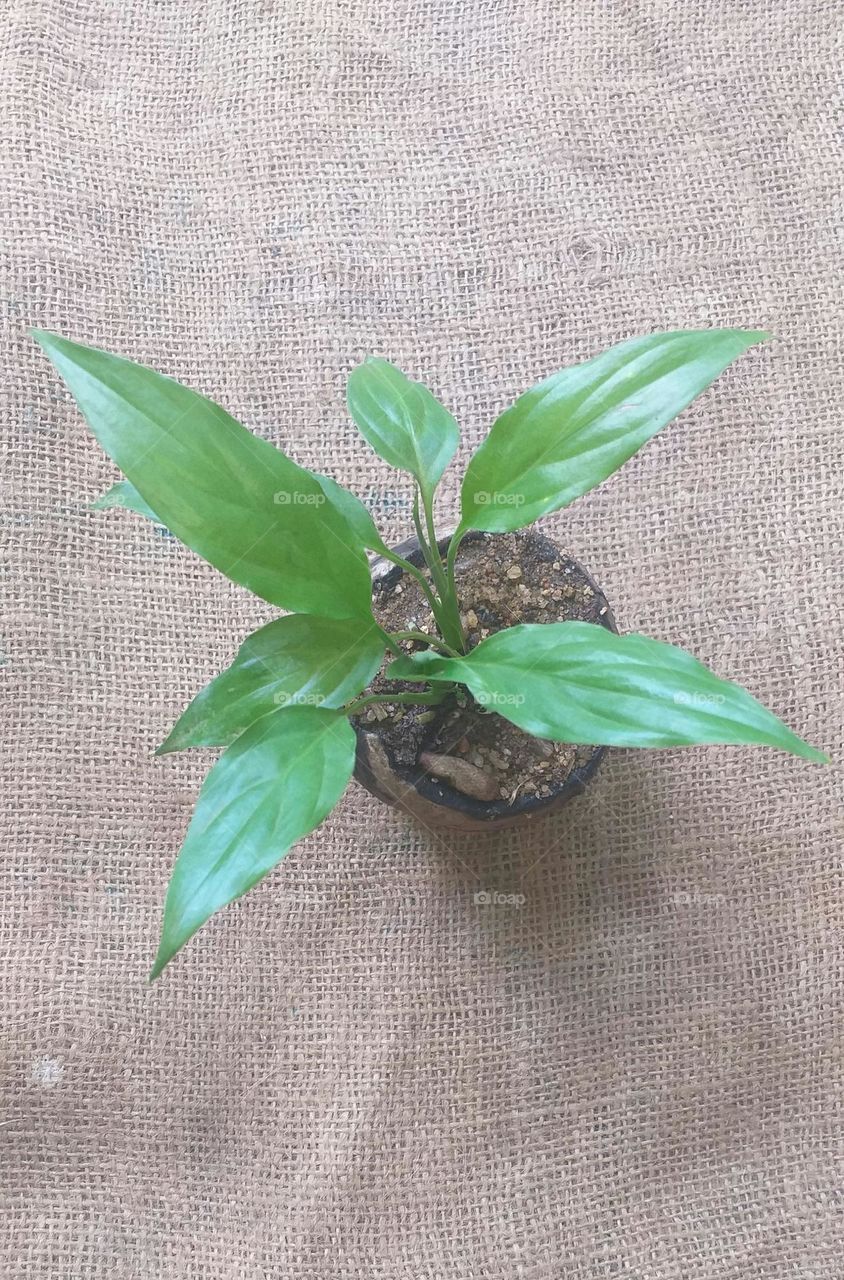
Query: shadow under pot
460	765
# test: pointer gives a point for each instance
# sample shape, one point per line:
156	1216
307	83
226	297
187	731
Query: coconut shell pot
461	766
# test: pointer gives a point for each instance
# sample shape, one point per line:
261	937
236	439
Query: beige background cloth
359	1071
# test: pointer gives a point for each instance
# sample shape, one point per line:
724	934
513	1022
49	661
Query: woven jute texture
630	1065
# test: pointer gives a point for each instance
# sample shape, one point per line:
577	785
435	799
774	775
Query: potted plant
474	679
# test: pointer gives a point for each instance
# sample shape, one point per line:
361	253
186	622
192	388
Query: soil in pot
460	764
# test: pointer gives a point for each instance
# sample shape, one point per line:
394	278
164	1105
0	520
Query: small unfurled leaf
272	787
300	660
125	496
226	493
404	423
576	428
578	682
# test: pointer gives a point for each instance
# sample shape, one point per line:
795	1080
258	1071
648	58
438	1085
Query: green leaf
404	423
272	787
576	428
348	505
126	496
300	660
229	495
354	513
578	682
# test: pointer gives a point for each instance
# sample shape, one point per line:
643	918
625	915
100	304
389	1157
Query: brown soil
502	580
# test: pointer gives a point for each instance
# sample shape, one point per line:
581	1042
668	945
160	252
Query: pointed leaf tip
273	786
300	660
577	682
228	494
572	431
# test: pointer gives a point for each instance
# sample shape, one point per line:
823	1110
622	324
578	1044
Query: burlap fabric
361	1071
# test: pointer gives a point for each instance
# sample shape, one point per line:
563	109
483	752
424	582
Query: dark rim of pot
440	793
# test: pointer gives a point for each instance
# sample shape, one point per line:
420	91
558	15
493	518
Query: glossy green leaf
272	787
576	428
300	660
354	513
125	496
578	682
404	423
228	494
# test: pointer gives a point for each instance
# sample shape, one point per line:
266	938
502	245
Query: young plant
299	540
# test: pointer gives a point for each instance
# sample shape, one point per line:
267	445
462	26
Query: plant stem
423	542
424	699
428	506
446	614
433	641
436	606
452	602
436	558
445	584
414	573
453	548
390	642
